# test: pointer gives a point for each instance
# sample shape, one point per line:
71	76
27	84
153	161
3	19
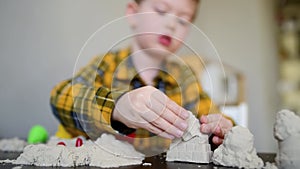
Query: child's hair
197	2
138	1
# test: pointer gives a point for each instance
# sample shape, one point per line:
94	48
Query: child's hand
150	109
215	124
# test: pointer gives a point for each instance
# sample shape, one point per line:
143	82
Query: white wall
40	41
39	44
244	33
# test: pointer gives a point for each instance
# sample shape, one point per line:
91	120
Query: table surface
157	162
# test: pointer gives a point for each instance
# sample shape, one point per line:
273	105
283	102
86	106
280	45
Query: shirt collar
126	71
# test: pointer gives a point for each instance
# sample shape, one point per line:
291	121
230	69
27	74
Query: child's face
161	24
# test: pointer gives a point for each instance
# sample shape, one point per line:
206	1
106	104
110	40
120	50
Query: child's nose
171	22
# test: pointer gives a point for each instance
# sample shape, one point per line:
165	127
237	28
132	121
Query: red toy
61	143
79	142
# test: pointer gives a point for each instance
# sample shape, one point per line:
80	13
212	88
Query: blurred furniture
288	15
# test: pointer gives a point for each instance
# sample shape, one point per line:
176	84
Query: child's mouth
165	40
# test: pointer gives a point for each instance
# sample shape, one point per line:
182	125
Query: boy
136	91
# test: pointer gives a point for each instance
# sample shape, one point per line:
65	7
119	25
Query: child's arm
82	110
83	104
86	103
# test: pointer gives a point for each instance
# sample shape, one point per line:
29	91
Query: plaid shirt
84	104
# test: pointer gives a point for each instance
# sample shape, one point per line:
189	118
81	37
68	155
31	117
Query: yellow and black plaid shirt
84	104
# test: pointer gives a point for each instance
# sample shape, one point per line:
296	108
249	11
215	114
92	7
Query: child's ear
131	10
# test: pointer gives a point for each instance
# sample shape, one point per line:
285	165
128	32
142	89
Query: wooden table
158	162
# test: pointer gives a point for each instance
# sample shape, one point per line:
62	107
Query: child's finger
175	120
206	128
219	132
162	124
165	102
178	110
167	127
203	119
217	140
157	131
168	115
212	128
214	118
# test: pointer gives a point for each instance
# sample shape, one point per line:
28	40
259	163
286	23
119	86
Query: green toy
37	134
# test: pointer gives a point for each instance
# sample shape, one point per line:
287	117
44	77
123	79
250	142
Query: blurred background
257	40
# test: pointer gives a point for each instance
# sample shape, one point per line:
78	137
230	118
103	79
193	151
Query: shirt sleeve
84	104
